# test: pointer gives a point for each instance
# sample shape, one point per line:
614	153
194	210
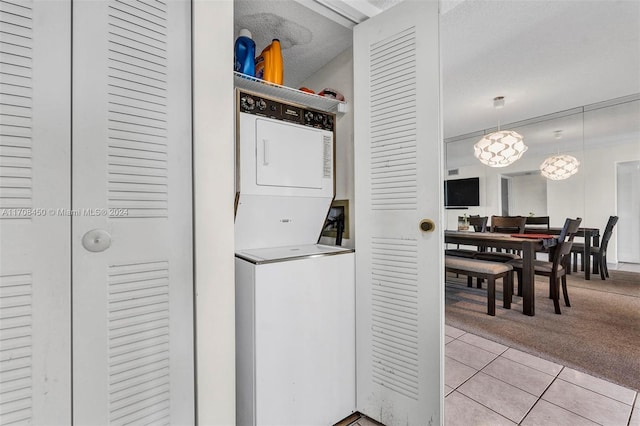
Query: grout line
511	384
565	408
488	408
537	369
468	378
542	394
635	401
596	392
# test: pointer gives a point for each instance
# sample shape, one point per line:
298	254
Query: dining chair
479	224
504	225
599	254
537	222
556	268
508	224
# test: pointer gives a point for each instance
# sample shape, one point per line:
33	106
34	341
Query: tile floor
487	383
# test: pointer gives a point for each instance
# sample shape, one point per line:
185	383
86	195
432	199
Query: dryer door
288	155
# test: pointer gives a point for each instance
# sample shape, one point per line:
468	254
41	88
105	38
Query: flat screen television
462	192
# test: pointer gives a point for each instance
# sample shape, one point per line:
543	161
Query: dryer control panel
254	104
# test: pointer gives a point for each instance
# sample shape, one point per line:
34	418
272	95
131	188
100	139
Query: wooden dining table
591	239
528	245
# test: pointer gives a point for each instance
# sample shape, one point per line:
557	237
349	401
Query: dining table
591	239
529	244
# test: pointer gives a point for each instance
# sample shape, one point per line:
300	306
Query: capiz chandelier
501	148
558	167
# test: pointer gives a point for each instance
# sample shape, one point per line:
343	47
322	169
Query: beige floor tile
533	361
453	332
519	375
468	354
462	411
635	416
586	403
456	373
447	390
499	396
600	386
487	345
448	339
545	413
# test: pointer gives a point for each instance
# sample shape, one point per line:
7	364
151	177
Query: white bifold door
96	283
398	192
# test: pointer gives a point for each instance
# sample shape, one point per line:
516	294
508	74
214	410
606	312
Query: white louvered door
35	255
132	302
128	308
399	271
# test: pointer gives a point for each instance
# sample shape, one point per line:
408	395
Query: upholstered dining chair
599	254
556	268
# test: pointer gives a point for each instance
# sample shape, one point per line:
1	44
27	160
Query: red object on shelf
331	93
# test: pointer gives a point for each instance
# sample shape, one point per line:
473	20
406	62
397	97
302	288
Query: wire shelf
246	82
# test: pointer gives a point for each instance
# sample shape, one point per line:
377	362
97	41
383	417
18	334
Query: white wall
600	184
213	168
338	75
528	195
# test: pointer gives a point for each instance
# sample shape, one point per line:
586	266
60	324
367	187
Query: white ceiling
542	56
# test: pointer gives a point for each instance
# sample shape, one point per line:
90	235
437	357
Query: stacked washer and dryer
295	299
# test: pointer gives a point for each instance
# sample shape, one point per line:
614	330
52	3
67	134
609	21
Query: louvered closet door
399	271
132	298
35	282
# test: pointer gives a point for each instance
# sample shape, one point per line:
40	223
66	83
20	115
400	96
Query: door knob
427	225
96	240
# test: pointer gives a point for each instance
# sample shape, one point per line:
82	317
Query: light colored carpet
599	334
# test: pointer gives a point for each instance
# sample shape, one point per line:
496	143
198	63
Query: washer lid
278	254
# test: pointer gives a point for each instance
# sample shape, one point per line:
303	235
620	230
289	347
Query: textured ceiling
542	56
308	40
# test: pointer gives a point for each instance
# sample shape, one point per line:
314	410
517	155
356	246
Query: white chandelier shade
558	167
500	149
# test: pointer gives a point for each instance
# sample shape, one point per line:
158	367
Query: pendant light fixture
559	167
501	148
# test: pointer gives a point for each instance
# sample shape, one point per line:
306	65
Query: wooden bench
489	271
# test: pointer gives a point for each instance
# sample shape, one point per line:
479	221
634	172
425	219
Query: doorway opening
628	208
523	194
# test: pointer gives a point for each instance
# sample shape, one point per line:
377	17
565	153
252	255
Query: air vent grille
16	324
139	380
16	109
393	122
138	106
394	289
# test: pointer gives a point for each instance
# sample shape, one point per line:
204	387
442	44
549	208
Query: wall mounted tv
462	192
